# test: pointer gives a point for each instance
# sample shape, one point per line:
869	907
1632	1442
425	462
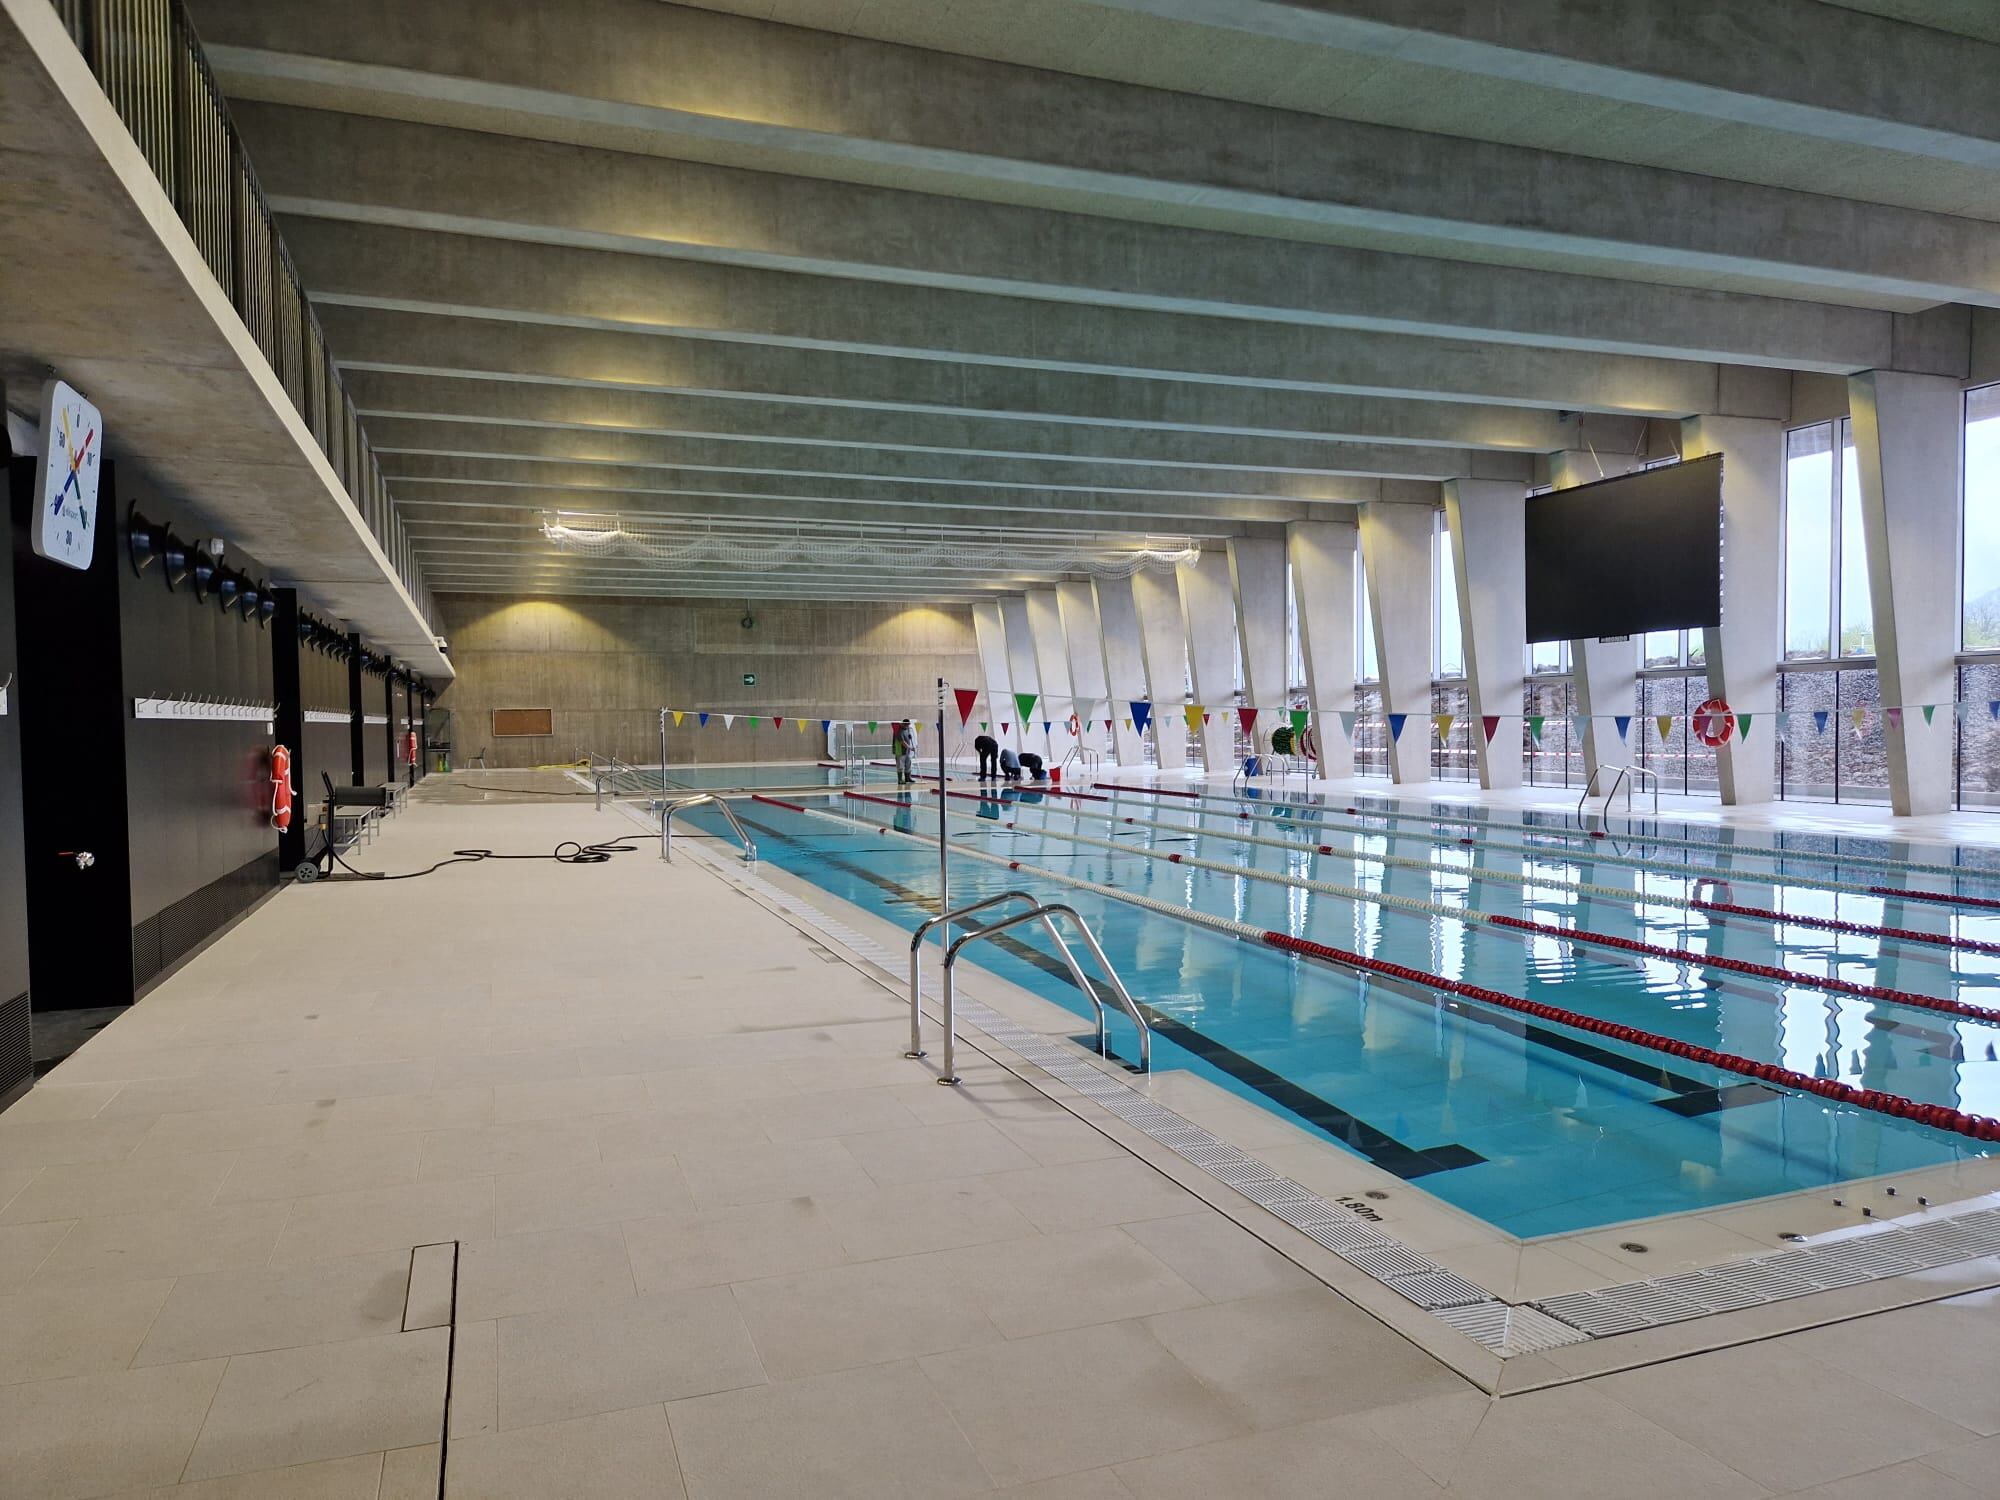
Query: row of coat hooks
197	566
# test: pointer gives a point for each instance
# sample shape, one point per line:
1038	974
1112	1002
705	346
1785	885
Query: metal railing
1045	913
1626	777
1088	761
147	59
668	809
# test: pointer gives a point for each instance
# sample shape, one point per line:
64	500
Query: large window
1365	667
1447	638
1827	607
1980	621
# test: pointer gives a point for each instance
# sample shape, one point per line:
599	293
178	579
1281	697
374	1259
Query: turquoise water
751	777
1531	1126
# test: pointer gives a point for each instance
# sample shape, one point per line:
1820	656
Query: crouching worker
1032	764
989	756
1010	765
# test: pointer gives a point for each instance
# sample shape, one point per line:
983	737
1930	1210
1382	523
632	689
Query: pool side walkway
636	1171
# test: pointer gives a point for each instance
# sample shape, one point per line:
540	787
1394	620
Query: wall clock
72	444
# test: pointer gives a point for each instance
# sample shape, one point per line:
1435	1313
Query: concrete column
989	632
1322	554
1485	518
1742	654
1124	664
1396	551
1052	668
1907	442
1210	617
1163	637
1021	666
1604	675
1257	579
1084	640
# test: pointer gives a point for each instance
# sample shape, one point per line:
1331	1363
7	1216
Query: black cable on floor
568	852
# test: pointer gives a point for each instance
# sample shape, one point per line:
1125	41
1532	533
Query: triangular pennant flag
1026	703
966	697
704	719
1490	723
1858	716
753	721
1193	715
1894	716
1444	723
1347	723
1820	717
825	725
1247	717
1743	726
1621	722
1781	720
777	721
1128	723
1299	717
1581	724
1929	709
1045	726
1535	722
1004	726
1993	710
1396	723
872	723
1204	716
802	725
1142	714
1666	724
1965	711
679	714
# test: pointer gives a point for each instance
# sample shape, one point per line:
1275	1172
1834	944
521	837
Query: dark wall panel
375	734
14	1050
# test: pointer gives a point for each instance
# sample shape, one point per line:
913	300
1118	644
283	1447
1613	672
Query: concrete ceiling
1115	272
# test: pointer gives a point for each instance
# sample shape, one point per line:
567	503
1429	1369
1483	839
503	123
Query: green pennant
1743	726
1535	722
1929	709
1025	702
1299	717
871	726
753	721
982	725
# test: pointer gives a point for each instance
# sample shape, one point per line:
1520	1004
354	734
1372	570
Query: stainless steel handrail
668	809
1045	914
1625	778
916	953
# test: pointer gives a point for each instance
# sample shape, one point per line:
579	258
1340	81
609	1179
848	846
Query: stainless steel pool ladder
1045	913
1626	776
668	809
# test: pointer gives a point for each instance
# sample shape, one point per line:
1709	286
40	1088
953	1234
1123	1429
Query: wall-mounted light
226	587
202	567
144	541
174	555
267	606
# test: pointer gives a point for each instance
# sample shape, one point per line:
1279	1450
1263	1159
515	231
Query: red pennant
966	697
1249	718
1204	718
1491	724
776	722
1003	728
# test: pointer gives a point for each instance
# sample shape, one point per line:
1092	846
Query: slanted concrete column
1052	669
1027	676
1742	655
1257	579
1396	551
1604	675
1084	640
1163	635
989	633
1489	559
1211	634
1322	554
1907	442
1124	664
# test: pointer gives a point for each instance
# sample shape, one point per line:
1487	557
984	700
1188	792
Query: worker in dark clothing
1010	765
905	744
989	756
1031	763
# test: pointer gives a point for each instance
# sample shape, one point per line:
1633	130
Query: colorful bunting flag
1142	715
1026	703
1003	726
1820	717
1535	722
704	719
1444	723
1491	724
1929	709
1993	710
679	714
802	725
1743	726
825	725
1347	723
1781	721
777	721
966	697
1621	722
1192	713
753	721
1248	718
1580	723
1666	726
1858	716
1894	716
1128	723
1299	717
1204	716
1396	723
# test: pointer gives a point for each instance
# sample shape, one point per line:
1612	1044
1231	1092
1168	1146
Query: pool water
1531	1126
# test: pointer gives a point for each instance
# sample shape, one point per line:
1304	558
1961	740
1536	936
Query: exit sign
749	679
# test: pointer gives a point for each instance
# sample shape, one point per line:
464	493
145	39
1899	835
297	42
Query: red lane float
1937	1116
1858	929
1151	791
1936	897
777	802
1744	966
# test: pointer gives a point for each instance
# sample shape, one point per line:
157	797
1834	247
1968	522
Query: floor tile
293	1406
620	1455
865	1314
1090	1484
804	1117
678	1251
722	1177
43	1143
524	1202
51	1334
1058	1138
337	1164
1047	1282
654	1133
1217	1258
1270	1357
605	1356
1941	1356
149	1185
475	1379
1975	1465
1081	1195
423	1213
23	1248
927	1152
411	1473
1294	1464
243	1312
535	1146
1080	1399
521	1273
921	1216
99	1434
56	1101
356	1478
187	1242
854	1435
567	1098
1910	1480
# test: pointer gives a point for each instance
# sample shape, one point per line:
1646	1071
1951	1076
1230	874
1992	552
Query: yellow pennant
1666	723
1193	712
1444	723
802	725
1859	715
677	717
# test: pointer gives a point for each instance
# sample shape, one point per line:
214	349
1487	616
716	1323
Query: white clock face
72	446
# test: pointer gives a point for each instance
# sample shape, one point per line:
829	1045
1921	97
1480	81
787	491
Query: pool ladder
681	804
1627	777
1038	911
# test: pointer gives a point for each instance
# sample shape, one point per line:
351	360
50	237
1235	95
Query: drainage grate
1436	1289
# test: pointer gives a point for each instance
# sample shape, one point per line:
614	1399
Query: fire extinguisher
281	788
410	748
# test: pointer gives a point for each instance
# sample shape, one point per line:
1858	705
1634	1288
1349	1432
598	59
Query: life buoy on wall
1712	722
1075	726
281	788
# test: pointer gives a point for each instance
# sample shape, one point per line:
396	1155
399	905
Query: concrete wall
606	666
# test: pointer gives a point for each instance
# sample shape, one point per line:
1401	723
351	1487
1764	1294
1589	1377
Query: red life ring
1712	722
1075	725
281	788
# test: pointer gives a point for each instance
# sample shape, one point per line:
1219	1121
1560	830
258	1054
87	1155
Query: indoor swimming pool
1873	965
